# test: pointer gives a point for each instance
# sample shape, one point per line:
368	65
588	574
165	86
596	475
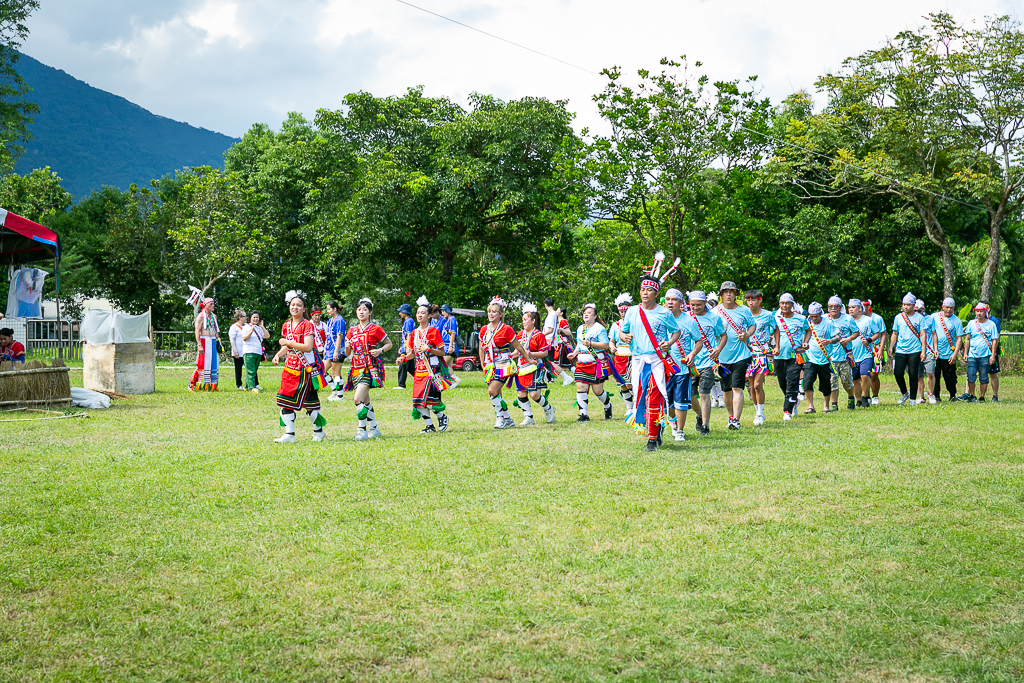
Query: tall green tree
15	111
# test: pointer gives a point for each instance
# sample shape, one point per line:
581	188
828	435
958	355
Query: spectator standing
235	337
993	370
451	326
408	325
253	335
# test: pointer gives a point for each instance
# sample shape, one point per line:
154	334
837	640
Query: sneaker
608	412
758	420
786	417
965	397
527	421
850	403
874	400
661	430
970	399
903	399
499	422
334	397
361	435
456	380
995	399
509	422
240	388
704	430
442	422
285	438
938	399
259	388
981	399
341	397
429	429
255	391
734	424
912	402
373	432
652	445
549	413
583	418
679	435
700	421
932	401
567	379
953	399
319	434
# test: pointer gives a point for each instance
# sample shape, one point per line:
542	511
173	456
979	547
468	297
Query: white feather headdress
497	301
292	293
623	299
422	301
529	308
195	296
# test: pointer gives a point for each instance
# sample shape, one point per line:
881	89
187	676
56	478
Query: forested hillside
92	138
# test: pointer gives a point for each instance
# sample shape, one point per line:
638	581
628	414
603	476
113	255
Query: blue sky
226	64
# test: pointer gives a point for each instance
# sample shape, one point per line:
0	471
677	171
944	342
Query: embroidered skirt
298	390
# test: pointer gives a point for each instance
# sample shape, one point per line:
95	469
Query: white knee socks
581	401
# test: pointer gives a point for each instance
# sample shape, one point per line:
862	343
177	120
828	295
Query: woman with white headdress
497	341
300	376
530	377
426	345
366	368
623	354
591	371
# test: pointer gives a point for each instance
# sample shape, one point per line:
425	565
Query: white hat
624	299
919	304
834	300
909	299
855	302
586	306
814	308
529	308
698	295
948	301
798	308
982	306
675	293
787	297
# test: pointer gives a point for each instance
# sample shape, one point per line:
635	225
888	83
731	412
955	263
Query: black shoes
652	445
429	429
442	422
850	403
583	418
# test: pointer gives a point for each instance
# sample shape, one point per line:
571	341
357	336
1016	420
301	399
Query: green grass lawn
169	539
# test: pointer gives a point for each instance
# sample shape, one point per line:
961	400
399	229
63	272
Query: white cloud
225	65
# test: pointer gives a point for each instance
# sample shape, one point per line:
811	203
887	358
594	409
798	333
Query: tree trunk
447	262
992	263
937	236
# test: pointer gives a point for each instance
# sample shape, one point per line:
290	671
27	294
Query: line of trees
909	178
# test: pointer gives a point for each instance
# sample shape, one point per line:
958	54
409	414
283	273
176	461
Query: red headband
651	283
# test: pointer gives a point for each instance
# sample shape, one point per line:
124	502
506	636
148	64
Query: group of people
668	354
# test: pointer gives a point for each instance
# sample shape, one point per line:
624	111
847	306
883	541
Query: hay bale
34	383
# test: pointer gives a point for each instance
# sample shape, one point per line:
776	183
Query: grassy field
168	539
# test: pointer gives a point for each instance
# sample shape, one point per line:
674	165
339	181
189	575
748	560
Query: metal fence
58	339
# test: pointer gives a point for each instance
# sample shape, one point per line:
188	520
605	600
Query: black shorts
736	378
993	368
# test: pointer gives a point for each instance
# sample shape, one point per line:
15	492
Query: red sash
670	365
801	357
949	337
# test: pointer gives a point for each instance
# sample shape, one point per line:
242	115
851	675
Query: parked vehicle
468	363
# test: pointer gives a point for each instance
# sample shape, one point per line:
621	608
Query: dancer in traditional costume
334	351
735	357
531	378
366	369
841	353
622	355
950	332
591	363
301	376
650	330
426	346
906	342
762	343
497	341
790	353
11	349
878	332
207	332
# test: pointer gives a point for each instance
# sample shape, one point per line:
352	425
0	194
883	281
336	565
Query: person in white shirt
253	335
235	337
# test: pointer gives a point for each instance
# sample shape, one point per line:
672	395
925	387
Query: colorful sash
822	347
316	368
949	338
440	381
917	330
704	338
801	356
670	365
985	337
209	370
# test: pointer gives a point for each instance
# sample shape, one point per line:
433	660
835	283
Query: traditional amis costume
497	341
531	377
302	375
592	366
10	349
366	369
207	372
623	359
426	346
647	328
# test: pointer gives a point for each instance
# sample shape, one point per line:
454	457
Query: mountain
92	138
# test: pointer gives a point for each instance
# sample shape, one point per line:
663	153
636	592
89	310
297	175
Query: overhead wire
780	141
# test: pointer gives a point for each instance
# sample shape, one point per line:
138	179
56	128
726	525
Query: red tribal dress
424	391
535	379
497	346
301	371
365	369
562	349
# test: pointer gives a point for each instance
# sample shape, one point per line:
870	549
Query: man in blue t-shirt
790	355
762	343
980	350
841	353
860	350
821	336
928	364
408	325
735	357
878	332
679	385
708	326
450	326
949	332
907	349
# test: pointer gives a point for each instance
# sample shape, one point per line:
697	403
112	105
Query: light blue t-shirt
688	336
978	347
908	340
765	327
879	326
845	325
947	328
734	350
826	330
595	333
713	328
928	326
862	352
613	335
662	323
796	326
